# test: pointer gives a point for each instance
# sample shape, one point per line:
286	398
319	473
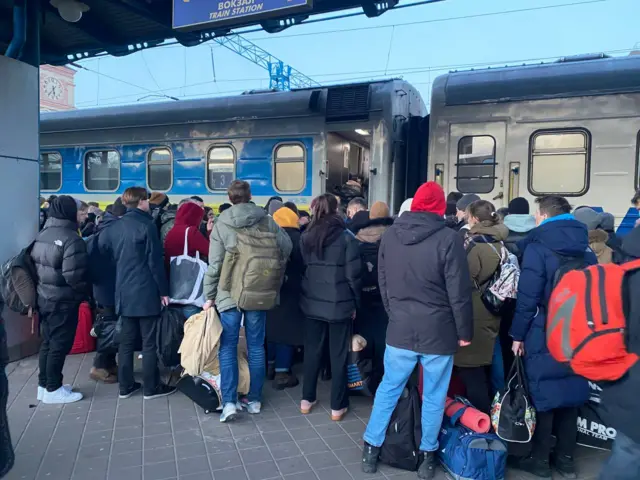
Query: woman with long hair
483	243
331	288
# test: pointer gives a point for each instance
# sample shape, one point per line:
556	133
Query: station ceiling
122	27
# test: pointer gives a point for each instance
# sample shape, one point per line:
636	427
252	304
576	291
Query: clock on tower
56	88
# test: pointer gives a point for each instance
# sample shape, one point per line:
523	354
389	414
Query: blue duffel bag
468	455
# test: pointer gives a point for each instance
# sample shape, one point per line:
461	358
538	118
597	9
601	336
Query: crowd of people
411	285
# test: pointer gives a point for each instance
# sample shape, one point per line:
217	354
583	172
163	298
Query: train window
289	167
476	167
159	169
220	166
102	170
558	163
50	171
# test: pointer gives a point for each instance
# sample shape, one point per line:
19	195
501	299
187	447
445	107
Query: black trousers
477	382
132	328
562	423
58	332
317	333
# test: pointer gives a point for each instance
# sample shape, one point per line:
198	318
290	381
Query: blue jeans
624	462
189	310
281	355
254	327
497	368
398	366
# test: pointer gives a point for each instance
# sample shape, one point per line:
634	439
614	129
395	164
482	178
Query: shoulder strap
186	242
629	266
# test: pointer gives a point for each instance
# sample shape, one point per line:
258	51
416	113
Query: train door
477	160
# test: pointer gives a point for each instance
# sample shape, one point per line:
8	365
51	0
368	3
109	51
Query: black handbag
512	414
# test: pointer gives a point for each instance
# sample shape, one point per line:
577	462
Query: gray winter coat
223	239
61	260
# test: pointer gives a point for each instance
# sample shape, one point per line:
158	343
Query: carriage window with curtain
102	170
159	169
289	167
476	167
559	162
220	167
50	171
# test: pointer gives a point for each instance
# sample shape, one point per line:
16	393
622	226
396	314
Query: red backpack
84	342
586	323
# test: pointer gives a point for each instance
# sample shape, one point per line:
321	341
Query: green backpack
253	272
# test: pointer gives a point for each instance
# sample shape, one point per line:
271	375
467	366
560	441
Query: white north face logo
58	243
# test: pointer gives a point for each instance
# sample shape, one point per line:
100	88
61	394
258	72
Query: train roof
335	102
568	77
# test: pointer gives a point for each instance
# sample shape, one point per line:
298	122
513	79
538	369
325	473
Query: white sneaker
62	395
229	413
42	390
253	407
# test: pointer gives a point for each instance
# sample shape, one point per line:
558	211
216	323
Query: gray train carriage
295	144
569	128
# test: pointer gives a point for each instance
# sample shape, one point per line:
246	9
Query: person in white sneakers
60	257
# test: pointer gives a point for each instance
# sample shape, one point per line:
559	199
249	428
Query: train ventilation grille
348	103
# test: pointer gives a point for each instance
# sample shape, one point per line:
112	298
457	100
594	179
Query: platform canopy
122	27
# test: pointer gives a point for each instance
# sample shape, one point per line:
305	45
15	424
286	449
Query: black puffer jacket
102	266
425	285
331	285
61	260
619	400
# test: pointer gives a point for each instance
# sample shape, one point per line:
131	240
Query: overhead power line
351	75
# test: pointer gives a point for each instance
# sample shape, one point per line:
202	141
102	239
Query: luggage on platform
84	342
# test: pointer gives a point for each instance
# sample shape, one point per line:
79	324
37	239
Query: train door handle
499	196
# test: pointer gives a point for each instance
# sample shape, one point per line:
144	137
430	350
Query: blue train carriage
295	144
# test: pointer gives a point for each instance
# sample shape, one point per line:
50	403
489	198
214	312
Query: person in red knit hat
426	290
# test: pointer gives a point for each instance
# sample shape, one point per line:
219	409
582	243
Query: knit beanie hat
429	198
519	206
379	210
274	206
406	206
589	217
467	200
158	199
285	217
64	208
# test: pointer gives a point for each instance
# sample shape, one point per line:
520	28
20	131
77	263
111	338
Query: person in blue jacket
555	391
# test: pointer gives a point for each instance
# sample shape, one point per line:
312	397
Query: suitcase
84	342
200	391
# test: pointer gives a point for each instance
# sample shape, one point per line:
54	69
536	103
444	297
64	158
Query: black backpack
401	447
18	283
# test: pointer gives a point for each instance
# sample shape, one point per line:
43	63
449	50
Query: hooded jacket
598	243
101	265
425	285
331	285
619	400
483	259
166	219
552	385
141	280
62	265
223	239
369	236
189	216
519	227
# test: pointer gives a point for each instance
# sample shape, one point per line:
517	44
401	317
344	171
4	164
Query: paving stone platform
104	438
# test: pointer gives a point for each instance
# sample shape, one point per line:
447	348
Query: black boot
370	456
285	380
564	465
271	370
427	468
532	465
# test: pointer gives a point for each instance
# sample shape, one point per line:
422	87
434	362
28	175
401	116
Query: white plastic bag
186	278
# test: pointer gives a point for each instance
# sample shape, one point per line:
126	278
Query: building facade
57	88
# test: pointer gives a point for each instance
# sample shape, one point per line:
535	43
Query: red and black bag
586	324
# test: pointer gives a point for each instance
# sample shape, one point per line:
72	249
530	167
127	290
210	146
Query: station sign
200	14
